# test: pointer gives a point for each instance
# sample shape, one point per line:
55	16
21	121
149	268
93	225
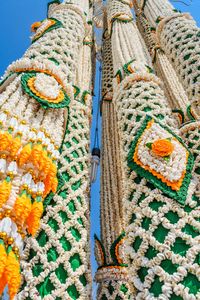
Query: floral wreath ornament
42	27
45	89
162	158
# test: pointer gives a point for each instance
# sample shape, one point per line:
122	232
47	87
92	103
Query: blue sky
16	19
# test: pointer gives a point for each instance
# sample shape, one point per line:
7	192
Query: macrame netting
149	246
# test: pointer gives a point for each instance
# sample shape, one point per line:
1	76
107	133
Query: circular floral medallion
45	89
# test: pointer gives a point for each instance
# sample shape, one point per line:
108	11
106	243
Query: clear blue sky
16	19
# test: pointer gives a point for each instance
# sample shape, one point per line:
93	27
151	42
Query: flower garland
28	171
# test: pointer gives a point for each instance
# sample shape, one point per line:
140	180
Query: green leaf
167	158
149	145
149	69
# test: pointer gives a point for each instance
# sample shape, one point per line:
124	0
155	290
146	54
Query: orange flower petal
162	148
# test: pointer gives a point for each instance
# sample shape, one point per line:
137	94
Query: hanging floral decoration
28	173
161	157
40	28
45	89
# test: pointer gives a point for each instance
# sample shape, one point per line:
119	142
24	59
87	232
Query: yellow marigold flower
162	148
22	207
37	155
51	181
33	220
12	274
5	141
3	258
54	185
24	155
46	167
15	146
53	170
47	183
5	189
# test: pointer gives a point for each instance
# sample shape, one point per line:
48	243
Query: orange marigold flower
5	189
24	155
46	167
54	185
37	155
3	258
5	141
2	283
22	207
48	184
33	220
15	146
162	148
12	274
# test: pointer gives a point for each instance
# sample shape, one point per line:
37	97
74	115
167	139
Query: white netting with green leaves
111	290
162	236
